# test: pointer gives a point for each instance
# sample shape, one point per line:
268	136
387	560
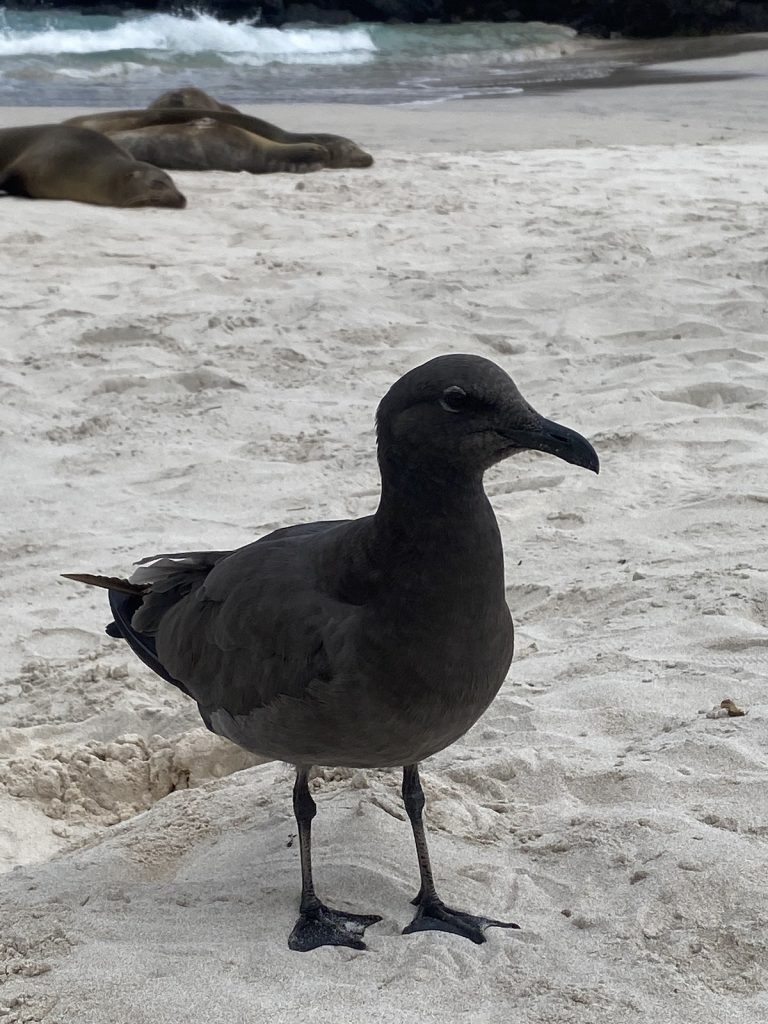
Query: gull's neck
439	520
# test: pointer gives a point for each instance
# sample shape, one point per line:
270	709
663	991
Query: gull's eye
454	399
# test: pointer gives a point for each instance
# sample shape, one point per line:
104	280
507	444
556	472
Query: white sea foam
502	57
336	58
458	94
199	33
113	70
61	58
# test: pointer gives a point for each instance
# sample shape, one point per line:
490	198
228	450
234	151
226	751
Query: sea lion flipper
12	182
204	144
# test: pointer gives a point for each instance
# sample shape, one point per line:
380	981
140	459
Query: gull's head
464	413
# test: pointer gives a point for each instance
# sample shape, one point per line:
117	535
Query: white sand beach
176	380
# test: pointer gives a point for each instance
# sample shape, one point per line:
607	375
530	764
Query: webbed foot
323	926
433	915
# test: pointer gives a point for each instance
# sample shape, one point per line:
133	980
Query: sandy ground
186	379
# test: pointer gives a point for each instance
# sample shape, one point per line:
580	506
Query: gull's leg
433	915
319	925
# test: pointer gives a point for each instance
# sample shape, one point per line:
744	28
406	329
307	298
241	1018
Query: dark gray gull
363	643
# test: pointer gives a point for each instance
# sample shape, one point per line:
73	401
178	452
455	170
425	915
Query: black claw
435	916
323	926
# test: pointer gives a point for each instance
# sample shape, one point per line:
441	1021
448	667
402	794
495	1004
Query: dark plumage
370	642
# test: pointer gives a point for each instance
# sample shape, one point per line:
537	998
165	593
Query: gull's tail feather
107	582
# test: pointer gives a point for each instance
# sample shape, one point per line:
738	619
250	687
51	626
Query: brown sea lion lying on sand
217	137
343	152
55	161
200	143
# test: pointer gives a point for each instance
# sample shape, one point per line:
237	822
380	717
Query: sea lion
205	144
344	152
54	161
339	152
197	140
189	96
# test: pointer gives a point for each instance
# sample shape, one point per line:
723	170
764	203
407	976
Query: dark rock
649	18
317	15
604	18
753	17
105	10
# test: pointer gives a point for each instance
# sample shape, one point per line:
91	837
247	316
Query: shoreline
676	61
583	64
687	102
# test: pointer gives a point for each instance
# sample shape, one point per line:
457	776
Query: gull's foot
433	915
323	926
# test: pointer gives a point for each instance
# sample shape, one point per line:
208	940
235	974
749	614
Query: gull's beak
547	436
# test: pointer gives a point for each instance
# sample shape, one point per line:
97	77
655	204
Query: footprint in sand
722	355
713	395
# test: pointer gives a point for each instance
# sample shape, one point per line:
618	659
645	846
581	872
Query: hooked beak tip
562	442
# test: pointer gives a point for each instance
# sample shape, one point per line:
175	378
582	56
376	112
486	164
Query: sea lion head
145	185
189	96
345	153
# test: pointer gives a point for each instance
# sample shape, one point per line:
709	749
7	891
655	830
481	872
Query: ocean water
58	58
